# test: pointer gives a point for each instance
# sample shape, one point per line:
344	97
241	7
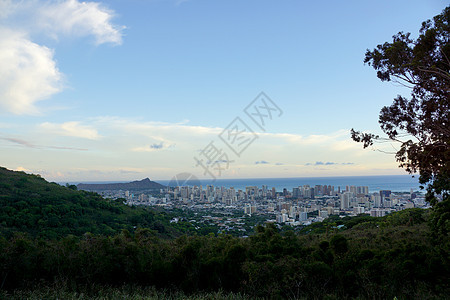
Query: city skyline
306	204
125	90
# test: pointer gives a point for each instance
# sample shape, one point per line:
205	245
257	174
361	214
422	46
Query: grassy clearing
104	292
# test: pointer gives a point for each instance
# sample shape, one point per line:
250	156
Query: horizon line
246	178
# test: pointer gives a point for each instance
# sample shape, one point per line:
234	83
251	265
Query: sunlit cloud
73	129
168	133
79	19
22	169
164	149
28	73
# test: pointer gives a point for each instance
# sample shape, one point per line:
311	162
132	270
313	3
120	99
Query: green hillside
371	260
28	203
45	246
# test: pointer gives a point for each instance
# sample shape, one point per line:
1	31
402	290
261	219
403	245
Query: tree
419	123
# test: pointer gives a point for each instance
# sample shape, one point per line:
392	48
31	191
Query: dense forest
55	236
30	204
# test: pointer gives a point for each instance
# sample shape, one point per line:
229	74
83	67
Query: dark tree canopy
419	122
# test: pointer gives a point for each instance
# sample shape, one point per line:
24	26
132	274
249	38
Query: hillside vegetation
364	262
30	204
57	242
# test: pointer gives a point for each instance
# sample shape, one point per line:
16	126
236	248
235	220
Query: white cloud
167	133
73	129
74	18
57	18
346	145
6	8
171	133
325	140
28	73
22	169
127	148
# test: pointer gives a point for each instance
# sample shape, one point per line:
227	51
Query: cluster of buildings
301	206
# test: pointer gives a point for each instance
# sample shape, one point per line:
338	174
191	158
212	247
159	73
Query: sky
127	89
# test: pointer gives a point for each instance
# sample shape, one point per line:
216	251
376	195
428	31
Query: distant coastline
395	183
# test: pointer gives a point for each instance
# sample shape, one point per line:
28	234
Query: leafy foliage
77	241
377	262
30	204
420	123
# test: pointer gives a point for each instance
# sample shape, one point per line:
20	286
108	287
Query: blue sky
121	90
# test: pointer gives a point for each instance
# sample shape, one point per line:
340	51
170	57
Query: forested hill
368	258
28	203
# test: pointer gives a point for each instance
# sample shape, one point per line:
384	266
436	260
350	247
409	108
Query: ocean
395	183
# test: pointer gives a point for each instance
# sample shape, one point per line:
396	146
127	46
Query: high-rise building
209	190
353	190
184	192
307	193
376	199
358	210
345	200
362	190
249	209
231	192
318	190
303	216
264	190
330	190
385	196
323	214
251	190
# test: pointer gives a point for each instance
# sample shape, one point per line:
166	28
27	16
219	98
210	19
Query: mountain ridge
144	184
